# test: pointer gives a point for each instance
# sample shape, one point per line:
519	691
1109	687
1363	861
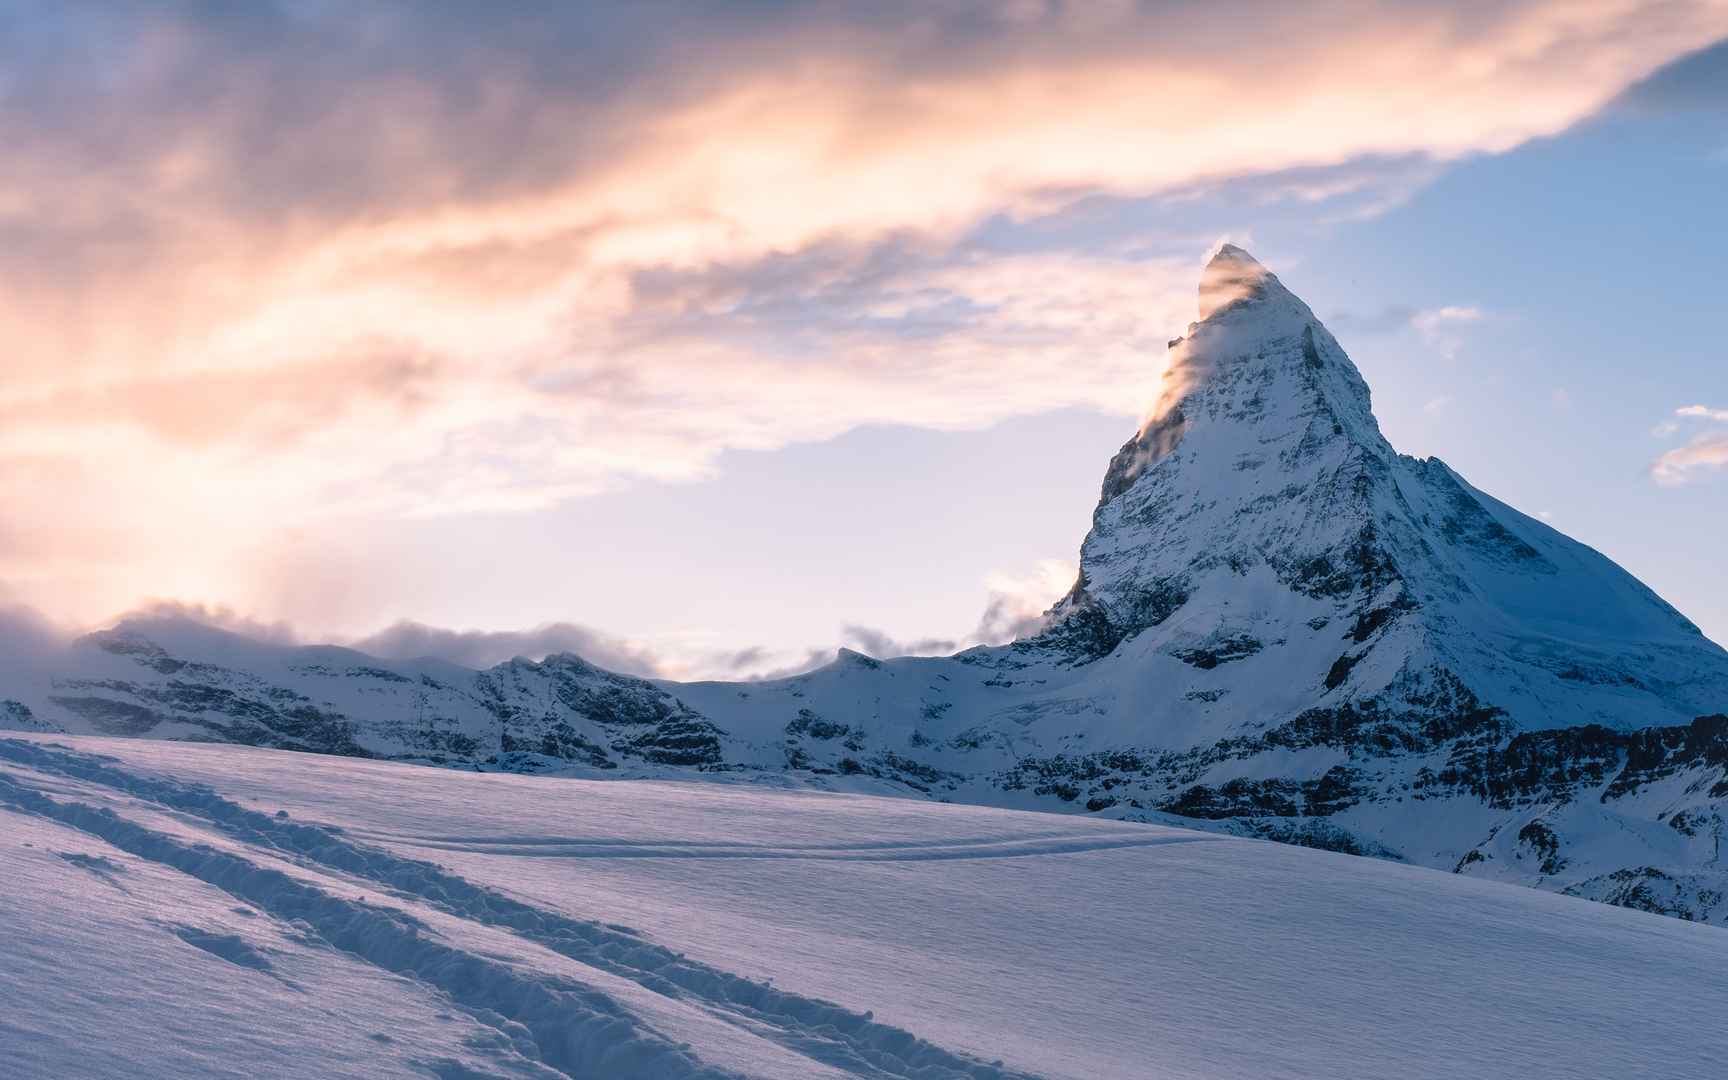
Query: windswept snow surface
177	910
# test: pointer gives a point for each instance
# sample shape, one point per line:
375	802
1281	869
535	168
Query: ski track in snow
574	1028
908	851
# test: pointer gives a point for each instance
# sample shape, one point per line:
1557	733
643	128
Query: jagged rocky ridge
1281	627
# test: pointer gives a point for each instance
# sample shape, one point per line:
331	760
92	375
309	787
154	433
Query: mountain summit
1231	275
1281	627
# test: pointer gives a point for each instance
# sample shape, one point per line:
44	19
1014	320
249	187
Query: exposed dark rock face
1145	449
808	723
1084	632
560	740
1233	647
685	740
1543	841
17	716
1540	766
107	716
1693	897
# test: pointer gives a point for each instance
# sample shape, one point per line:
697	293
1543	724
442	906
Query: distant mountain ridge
1281	627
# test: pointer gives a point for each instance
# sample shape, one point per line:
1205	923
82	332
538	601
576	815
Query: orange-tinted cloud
275	265
1706	451
1677	465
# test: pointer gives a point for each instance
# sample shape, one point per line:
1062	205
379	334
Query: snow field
223	911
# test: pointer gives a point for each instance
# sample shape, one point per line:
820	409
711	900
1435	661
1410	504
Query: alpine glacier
1281	628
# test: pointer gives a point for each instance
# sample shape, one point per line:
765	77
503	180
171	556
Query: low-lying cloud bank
482	649
31	644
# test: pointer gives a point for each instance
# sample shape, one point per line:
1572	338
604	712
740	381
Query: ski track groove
628	849
569	1026
572	1028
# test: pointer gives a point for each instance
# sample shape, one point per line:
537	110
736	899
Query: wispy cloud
1015	609
1439	326
481	649
1703	413
1706	451
1677	465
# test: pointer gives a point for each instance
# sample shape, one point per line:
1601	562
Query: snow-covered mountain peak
1258	453
1257	364
1259	510
1232	275
1254	328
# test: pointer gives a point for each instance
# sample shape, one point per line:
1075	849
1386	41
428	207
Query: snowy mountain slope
243	912
177	679
1281	627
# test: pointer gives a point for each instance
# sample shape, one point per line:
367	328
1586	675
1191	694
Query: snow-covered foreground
183	910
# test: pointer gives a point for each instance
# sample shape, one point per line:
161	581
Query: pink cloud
282	270
1677	466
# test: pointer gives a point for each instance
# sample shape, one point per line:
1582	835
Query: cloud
1703	413
810	661
756	664
1390	319
1015	608
1017	603
27	636
286	265
482	648
1677	466
1438	326
222	618
409	640
1706	451
875	643
1696	84
32	647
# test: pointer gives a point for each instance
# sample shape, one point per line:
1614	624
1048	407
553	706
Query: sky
703	338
